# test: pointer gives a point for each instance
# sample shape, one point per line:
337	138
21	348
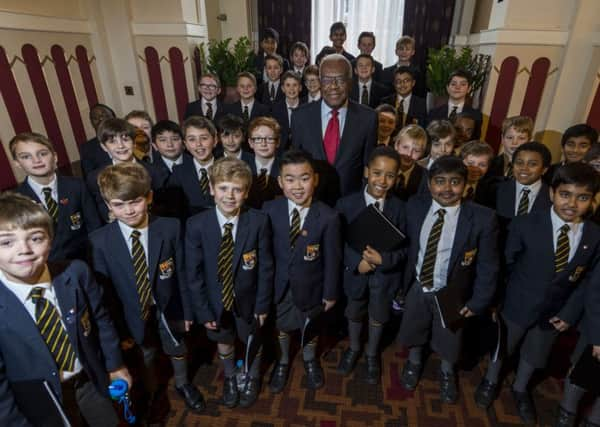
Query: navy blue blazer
591	317
257	196
263	96
417	109
376	92
113	266
92	156
158	176
359	137
279	112
496	168
474	255
311	269
506	196
389	273
24	355
194	108
252	265
185	177
417	180
77	217
258	109
535	293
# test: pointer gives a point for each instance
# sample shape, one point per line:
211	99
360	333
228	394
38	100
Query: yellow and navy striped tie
561	256
48	322
523	208
140	267
295	226
428	265
51	205
225	266
203	181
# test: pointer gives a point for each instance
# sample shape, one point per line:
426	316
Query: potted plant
442	62
227	62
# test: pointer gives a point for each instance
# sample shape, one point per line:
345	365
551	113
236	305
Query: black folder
450	300
371	227
586	372
253	344
312	324
38	403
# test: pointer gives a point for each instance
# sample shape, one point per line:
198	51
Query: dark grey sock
255	367
149	374
594	415
375	332
493	371
524	373
571	396
415	355
310	350
284	348
228	364
179	371
354	330
447	367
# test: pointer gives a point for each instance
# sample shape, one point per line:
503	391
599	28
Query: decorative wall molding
514	37
25	22
162	29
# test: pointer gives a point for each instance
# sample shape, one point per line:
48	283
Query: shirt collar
198	166
370	200
326	109
249	105
557	223
23	290
224	220
37	188
292	206
262	165
450	210
534	188
127	230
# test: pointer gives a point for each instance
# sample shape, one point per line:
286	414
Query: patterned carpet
351	402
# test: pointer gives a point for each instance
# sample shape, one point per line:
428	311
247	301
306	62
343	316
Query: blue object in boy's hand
118	392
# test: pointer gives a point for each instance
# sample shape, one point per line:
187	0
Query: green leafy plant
227	62
442	62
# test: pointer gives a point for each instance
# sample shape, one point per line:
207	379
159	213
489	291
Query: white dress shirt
198	166
171	163
303	211
405	102
222	219
575	232
534	190
261	165
458	110
370	200
37	189
326	115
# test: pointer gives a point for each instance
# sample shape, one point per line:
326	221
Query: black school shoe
486	393
314	374
525	407
192	397
250	393
564	418
230	392
448	387
373	370
347	361
411	373
588	423
279	377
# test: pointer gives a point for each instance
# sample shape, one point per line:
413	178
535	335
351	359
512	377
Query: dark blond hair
18	211
405	41
269	122
199	122
139	114
29	137
110	128
124	181
415	132
522	124
476	148
229	169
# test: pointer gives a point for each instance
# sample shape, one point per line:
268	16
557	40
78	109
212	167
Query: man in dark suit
365	89
458	87
208	105
248	107
366	45
411	109
341	133
92	156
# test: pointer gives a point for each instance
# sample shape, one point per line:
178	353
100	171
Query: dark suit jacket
252	265
496	168
591	317
24	355
476	234
357	141
441	113
258	109
113	266
389	273
417	109
535	293
257	196
376	92
420	89
506	199
311	279
158	176
77	217
279	112
185	178
549	175
92	156
418	178
194	108
263	96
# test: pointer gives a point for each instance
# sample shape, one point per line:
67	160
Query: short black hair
384	151
460	73
577	173
366	34
448	164
270	33
230	123
296	157
365	55
536	147
110	128
578	130
405	69
337	26
165	126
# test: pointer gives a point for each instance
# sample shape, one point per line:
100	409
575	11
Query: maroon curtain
429	22
291	18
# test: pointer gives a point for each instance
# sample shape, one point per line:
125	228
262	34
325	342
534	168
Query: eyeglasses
270	140
207	86
329	81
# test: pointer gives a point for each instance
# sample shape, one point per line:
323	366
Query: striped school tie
48	322
246	114
203	181
561	256
523	208
364	97
225	266
209	111
509	170
295	226
51	204
426	275
261	179
140	267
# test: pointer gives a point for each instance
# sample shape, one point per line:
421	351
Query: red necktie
331	140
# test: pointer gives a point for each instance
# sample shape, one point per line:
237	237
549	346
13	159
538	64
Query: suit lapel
63	194
15	316
240	237
461	236
155	243
316	130
586	242
66	295
542	199
348	131
310	226
28	191
121	252
506	205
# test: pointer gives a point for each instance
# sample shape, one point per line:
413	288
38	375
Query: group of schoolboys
232	265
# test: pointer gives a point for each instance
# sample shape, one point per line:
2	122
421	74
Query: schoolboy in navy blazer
185	177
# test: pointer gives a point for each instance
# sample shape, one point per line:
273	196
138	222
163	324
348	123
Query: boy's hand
261	318
596	352
329	303
121	373
188	324
466	312
559	325
372	256
364	267
212	325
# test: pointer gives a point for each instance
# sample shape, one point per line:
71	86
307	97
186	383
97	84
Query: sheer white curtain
382	17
